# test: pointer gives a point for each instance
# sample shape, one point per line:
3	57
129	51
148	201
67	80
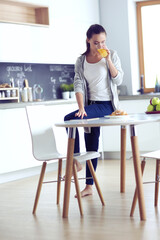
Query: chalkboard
47	77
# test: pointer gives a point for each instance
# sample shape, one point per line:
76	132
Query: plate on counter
153	112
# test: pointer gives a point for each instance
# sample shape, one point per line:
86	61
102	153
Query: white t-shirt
96	76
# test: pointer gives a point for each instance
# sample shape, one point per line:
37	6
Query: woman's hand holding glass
108	53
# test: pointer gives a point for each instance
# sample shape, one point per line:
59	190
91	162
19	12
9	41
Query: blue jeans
93	110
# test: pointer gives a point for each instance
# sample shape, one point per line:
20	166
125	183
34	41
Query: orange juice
103	52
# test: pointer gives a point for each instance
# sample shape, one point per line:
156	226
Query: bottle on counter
30	95
13	93
142	84
12	82
157	86
24	94
3	94
8	93
34	92
141	90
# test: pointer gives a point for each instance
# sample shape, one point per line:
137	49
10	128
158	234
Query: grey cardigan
80	82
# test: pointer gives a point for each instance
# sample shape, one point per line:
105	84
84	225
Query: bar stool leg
59	180
39	187
77	189
157	182
90	165
136	194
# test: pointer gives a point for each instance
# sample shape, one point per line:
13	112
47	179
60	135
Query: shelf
23	13
16	97
9	98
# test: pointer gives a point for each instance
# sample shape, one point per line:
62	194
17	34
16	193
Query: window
148	19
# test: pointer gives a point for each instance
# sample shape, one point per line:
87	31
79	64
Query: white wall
64	39
114	17
62	42
119	19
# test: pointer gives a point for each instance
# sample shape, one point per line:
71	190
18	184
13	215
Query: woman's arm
79	87
113	70
81	113
114	66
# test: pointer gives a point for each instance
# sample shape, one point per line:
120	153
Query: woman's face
97	41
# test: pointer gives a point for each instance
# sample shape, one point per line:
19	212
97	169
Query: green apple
150	108
158	107
155	101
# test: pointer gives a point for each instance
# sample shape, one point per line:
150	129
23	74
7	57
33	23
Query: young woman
95	85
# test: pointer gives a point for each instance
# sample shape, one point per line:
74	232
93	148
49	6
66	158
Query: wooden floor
111	222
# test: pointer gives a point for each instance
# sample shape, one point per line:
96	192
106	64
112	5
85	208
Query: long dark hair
93	29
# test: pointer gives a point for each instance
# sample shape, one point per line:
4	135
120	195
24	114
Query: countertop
23	104
139	96
11	105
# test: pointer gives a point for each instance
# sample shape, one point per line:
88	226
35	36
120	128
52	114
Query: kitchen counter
139	96
61	101
23	104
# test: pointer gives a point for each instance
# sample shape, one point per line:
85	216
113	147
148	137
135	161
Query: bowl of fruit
154	106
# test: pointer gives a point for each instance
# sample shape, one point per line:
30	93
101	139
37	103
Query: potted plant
71	89
65	91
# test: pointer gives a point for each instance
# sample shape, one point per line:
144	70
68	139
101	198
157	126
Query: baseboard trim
29	172
114	155
24	173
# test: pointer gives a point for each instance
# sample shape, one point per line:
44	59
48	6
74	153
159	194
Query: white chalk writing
28	68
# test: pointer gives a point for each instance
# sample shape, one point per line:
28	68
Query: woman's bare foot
78	166
86	191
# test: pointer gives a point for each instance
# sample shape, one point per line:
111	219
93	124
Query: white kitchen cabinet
15	141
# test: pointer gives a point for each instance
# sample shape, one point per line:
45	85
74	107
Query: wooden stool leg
157	182
77	189
135	194
123	159
39	186
95	181
59	180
